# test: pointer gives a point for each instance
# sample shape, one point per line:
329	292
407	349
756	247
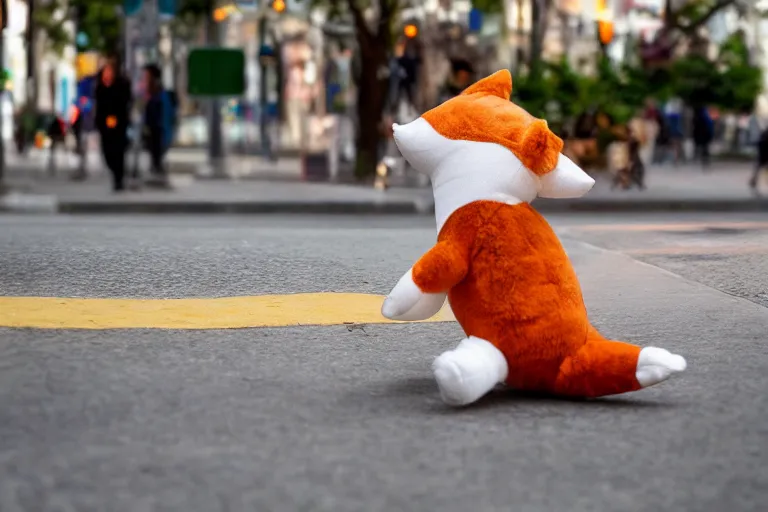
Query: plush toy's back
509	280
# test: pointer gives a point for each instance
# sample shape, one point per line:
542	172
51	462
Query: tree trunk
669	15
371	95
31	43
540	10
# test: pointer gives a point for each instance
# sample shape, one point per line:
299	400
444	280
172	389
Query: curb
16	202
653	205
277	207
31	203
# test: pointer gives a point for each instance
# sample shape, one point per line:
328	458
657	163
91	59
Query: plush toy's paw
470	371
407	302
656	365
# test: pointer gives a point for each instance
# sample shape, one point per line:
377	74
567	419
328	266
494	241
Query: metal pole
2	113
263	137
215	139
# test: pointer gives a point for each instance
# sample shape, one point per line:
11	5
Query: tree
730	82
100	23
682	20
98	20
375	39
693	14
541	11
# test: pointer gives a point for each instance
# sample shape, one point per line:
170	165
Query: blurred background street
264	91
202	208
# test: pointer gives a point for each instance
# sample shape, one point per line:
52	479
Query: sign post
3	24
142	27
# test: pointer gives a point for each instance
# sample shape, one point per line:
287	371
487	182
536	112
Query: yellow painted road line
213	313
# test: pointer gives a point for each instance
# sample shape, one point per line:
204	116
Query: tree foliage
693	14
489	6
49	17
98	20
729	82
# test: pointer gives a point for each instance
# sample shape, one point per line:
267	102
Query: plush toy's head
483	139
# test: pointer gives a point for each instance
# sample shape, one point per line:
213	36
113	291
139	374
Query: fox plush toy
508	279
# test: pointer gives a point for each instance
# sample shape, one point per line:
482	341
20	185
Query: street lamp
604	24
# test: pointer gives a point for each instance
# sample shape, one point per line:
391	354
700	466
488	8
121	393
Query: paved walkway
263	187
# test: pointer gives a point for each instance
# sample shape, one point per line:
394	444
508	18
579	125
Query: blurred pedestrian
674	119
663	146
460	78
159	122
703	133
650	131
81	123
762	158
56	130
113	106
404	75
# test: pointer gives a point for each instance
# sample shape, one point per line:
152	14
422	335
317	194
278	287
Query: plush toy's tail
604	367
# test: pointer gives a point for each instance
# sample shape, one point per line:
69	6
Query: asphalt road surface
347	417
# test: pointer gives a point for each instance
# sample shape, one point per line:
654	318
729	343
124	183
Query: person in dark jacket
112	119
459	79
703	133
158	122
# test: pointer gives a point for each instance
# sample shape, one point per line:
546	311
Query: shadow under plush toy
506	275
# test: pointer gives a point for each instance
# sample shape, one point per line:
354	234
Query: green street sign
216	72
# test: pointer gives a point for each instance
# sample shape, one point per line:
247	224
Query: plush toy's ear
498	84
539	147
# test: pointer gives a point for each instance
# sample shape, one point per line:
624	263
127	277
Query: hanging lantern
605	31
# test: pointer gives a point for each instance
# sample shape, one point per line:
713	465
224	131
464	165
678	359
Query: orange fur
442	267
509	281
483	113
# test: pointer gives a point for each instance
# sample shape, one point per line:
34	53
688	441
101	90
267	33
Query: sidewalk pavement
264	187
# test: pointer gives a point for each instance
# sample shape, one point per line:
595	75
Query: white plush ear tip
566	180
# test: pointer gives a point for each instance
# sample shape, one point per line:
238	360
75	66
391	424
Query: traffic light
278	5
3	14
605	31
410	31
222	13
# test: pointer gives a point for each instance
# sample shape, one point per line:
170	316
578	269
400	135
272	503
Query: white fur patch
655	365
468	372
464	171
406	301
